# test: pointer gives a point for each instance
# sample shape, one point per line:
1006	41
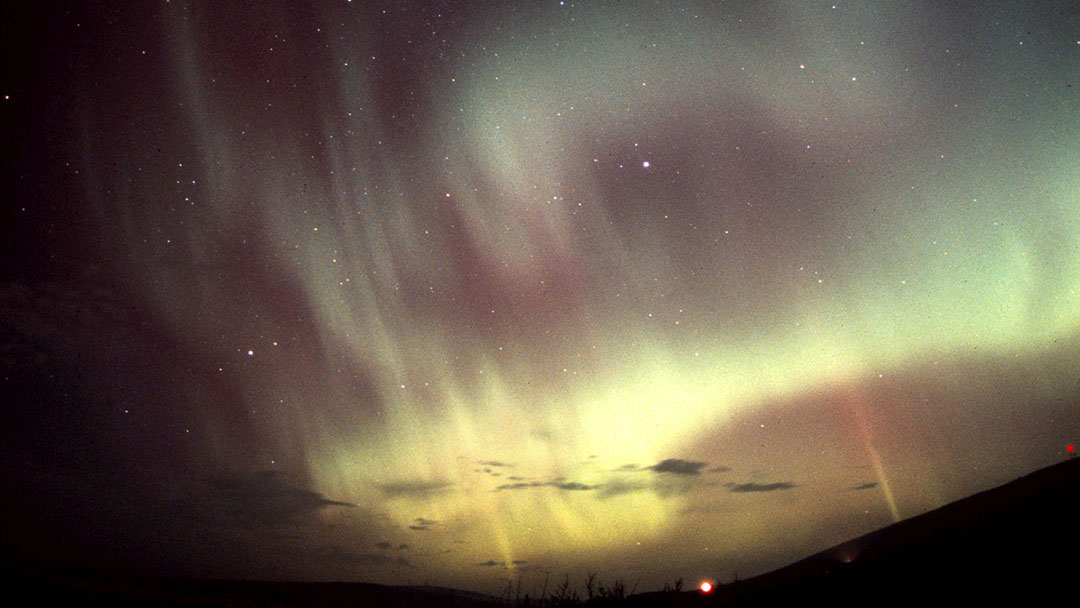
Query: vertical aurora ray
857	402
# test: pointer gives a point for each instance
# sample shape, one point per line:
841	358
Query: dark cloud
866	486
262	499
421	524
719	469
678	466
629	467
573	486
414	489
383	545
489	564
402	547
557	483
759	487
521	485
491	467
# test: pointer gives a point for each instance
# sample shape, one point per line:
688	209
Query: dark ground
1013	545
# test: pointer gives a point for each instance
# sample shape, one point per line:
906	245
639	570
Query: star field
454	294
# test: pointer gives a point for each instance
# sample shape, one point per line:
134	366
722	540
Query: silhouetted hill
1012	545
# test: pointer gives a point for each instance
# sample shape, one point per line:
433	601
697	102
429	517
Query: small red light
706	587
1071	448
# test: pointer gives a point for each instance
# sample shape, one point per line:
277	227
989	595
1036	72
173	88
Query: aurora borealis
460	293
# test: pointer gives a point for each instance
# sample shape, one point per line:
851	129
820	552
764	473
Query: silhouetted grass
595	592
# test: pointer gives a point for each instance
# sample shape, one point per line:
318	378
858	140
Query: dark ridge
1016	544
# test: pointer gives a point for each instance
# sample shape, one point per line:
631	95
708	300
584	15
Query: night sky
460	293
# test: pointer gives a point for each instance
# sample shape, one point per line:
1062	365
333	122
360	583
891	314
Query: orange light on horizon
706	587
